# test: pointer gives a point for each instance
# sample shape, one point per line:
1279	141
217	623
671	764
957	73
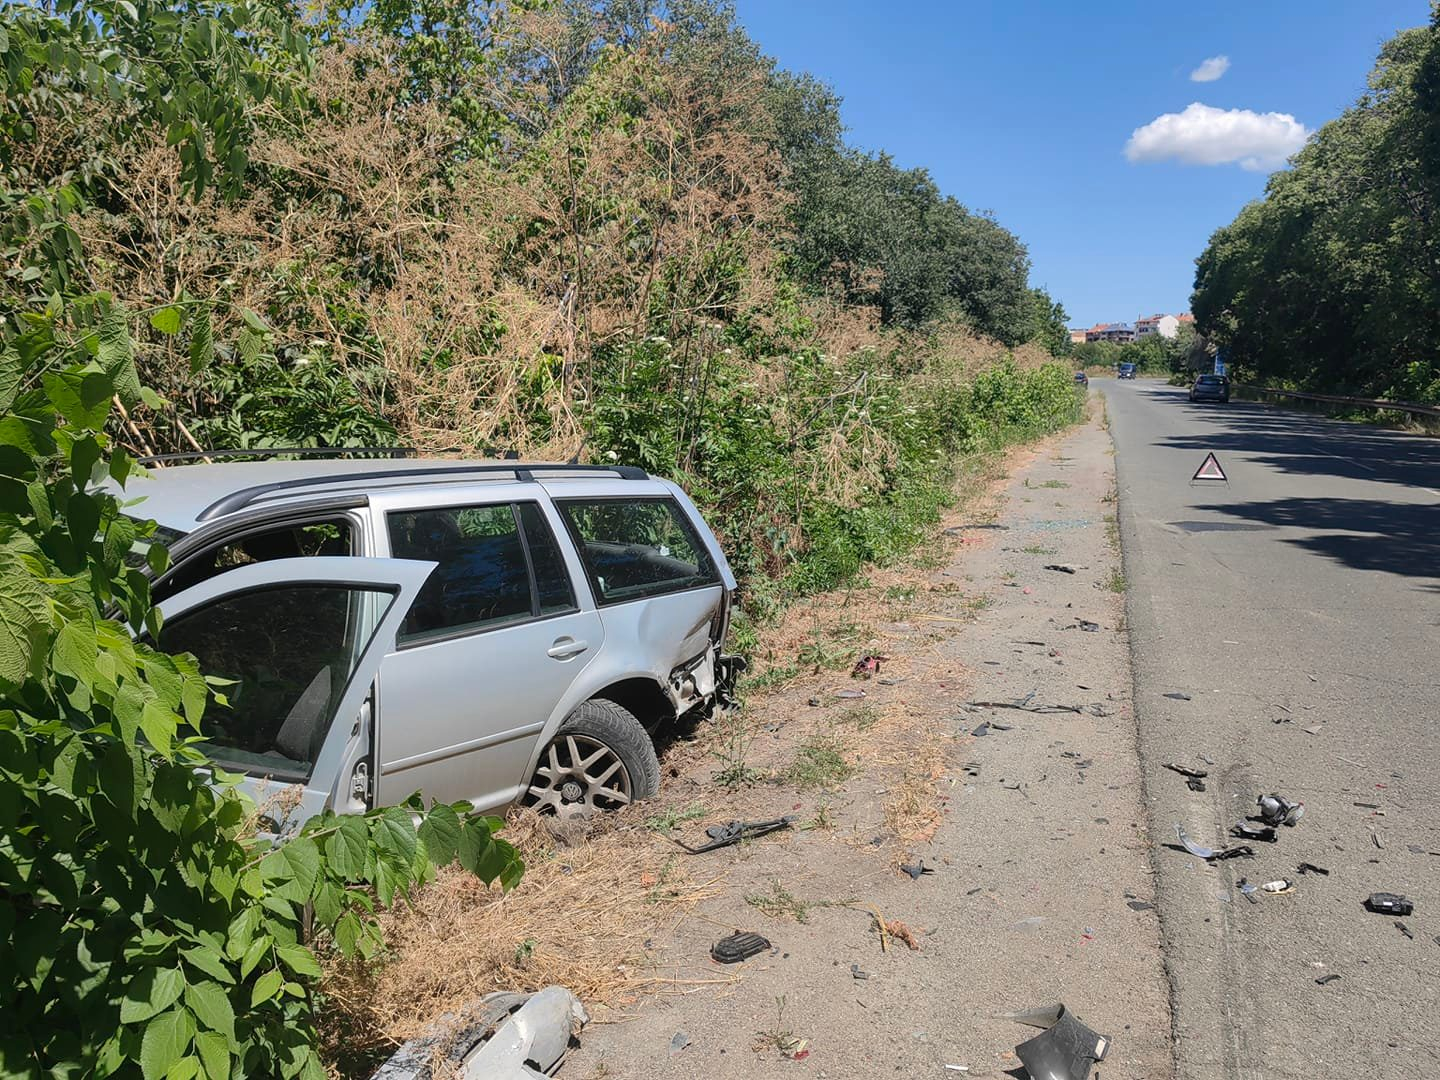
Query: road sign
1209	470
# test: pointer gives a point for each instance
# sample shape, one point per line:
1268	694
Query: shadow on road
1395	536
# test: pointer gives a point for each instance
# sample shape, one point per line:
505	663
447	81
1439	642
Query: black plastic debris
1060	568
996	725
738	946
735	831
857	974
1311	868
916	869
1325	980
1194	783
1140	905
1065	1050
982	729
1389	903
1179	697
1248	830
1088	626
1275	809
1404	929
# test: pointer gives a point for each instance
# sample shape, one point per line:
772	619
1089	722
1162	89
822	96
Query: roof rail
238	500
276	451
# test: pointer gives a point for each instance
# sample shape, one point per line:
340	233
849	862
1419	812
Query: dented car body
568	612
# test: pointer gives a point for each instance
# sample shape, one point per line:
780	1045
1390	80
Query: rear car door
301	641
489	651
659	580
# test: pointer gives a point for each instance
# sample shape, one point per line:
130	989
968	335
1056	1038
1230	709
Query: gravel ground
1042	878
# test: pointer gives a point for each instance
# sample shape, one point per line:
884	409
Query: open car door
301	641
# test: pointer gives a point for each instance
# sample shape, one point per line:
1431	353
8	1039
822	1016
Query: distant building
1077	337
1187	318
1167	326
1118	332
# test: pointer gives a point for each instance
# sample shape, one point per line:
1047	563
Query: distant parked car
1210	388
1127	371
1081	379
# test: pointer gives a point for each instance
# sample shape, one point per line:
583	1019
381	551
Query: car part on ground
1066	1050
738	946
1275	809
1385	903
600	759
503	1037
1209	854
734	831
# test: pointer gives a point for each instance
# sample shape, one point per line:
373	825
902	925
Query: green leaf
395	835
299	959
24	622
202	340
151	991
347	934
214	1055
159	725
303	858
167	1037
209	960
266	987
441	832
81	397
75	651
117	354
345	848
153	400
168	320
211	1006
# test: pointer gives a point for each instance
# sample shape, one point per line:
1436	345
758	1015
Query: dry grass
580	919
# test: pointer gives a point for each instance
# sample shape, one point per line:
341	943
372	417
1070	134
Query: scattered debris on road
678	1042
1386	903
737	947
504	1036
1248	830
866	666
916	869
1179	697
1210	854
1275	809
1185	770
981	729
735	831
1284	885
849	694
1066	1050
1325	980
1140	905
1404	929
1026	707
857	974
1088	626
1060	568
1311	868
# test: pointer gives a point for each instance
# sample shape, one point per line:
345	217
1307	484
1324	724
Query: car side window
498	565
554	593
290	652
633	548
330	536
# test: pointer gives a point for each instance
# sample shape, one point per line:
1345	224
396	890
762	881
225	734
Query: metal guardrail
1339	399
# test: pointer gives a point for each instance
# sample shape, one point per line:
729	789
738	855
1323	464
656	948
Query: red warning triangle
1209	470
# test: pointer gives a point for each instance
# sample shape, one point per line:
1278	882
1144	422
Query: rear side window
498	565
634	548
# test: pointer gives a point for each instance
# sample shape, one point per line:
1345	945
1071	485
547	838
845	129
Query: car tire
577	773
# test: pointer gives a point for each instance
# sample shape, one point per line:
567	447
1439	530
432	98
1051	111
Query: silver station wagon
491	632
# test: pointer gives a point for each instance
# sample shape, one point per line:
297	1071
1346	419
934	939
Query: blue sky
1024	108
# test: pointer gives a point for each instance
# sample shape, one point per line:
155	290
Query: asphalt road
1299	608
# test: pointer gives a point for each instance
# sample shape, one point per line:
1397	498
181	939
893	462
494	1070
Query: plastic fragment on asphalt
982	729
1248	830
1311	868
1284	885
1324	980
1179	697
1060	568
1404	929
537	1034
679	1041
734	831
1140	905
849	693
1185	770
1065	1050
1208	854
1385	903
916	869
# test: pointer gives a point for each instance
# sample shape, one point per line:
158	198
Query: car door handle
566	647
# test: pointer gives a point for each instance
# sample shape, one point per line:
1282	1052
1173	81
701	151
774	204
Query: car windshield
139	551
1210	380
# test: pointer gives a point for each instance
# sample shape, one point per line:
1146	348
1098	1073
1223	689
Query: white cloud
1204	135
1211	69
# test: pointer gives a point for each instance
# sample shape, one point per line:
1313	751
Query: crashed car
491	632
